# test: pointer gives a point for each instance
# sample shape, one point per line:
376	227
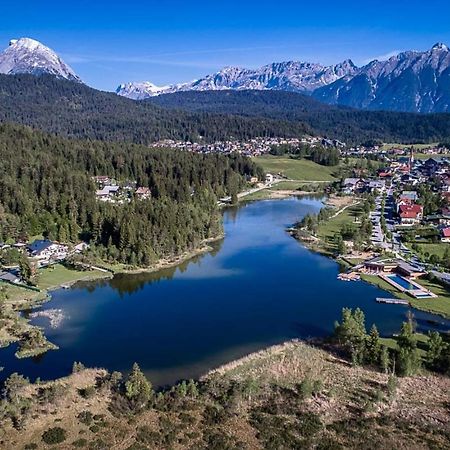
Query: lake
258	287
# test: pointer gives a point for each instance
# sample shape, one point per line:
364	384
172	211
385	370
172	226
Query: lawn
56	275
422	343
289	186
328	229
415	146
439	305
296	169
434	249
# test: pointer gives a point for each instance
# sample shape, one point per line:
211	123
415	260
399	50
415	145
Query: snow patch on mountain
410	81
27	55
287	76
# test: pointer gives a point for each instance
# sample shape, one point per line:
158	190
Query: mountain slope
409	81
75	110
350	125
286	76
29	56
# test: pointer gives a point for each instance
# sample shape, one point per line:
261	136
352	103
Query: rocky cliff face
410	81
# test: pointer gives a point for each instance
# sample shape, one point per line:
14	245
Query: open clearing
296	169
56	275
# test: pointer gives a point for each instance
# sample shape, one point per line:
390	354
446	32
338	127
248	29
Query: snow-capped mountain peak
140	91
411	81
440	46
289	76
27	55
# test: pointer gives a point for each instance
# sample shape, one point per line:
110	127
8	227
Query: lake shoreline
316	245
23	326
175	306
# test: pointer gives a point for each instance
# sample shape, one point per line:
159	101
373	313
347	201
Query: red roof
410	211
446	232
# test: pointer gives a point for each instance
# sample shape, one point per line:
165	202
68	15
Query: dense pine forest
46	187
74	110
349	125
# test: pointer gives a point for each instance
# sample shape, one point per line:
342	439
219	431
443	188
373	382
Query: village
251	148
409	227
41	253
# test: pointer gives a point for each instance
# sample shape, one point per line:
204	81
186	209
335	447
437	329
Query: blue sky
173	41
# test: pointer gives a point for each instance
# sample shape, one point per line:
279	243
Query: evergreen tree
408	358
385	360
373	346
27	270
351	333
137	388
436	349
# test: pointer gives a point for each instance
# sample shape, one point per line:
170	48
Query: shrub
77	367
87	392
85	417
392	385
55	435
80	442
94	428
310	387
52	393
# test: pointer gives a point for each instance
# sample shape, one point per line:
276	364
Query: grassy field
328	229
415	146
439	305
289	186
296	169
422	343
434	249
56	275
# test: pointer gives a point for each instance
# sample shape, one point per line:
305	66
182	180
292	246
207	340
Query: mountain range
291	76
410	81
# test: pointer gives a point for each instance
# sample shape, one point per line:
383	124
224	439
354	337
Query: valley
258	258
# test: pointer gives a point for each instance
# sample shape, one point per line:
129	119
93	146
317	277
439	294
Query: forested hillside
342	123
46	187
75	110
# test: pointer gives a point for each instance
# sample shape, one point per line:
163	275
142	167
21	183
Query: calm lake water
257	288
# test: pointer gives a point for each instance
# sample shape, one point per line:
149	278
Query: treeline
337	122
319	154
405	360
74	110
46	187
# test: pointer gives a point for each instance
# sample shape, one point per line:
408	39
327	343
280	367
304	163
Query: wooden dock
392	301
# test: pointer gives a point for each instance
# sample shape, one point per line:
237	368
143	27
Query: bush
80	442
309	387
87	392
392	385
55	435
77	367
94	428
85	417
52	393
